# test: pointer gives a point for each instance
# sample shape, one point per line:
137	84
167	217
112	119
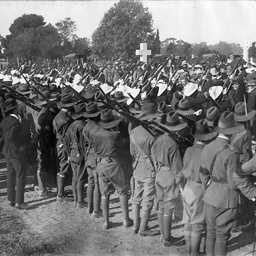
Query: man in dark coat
12	142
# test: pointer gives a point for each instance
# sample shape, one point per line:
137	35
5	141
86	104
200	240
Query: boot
136	217
195	243
168	239
196	236
80	190
125	211
97	213
42	178
90	190
221	247
210	243
187	237
160	215
144	230
105	211
60	187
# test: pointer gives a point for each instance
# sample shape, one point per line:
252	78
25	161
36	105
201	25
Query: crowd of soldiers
156	134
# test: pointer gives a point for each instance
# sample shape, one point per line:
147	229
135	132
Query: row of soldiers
194	147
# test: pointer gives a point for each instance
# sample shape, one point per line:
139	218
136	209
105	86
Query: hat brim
245	118
121	100
134	111
91	115
24	93
204	137
76	116
10	108
111	124
143	116
186	112
42	102
228	131
177	127
62	105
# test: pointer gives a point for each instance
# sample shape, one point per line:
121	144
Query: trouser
78	181
93	191
16	177
219	224
64	168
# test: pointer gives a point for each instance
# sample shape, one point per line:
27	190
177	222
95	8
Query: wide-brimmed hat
119	97
135	108
134	92
15	80
215	91
190	88
227	124
163	107
106	88
67	101
251	83
10	104
162	87
91	110
183	108
23	89
40	99
202	131
240	113
173	122
90	92
212	114
108	119
149	111
214	71
79	110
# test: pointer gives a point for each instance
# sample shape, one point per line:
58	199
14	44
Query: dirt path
51	228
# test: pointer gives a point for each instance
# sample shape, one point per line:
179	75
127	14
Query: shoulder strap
215	156
238	136
137	146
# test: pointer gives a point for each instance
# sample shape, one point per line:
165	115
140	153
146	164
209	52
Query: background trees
122	29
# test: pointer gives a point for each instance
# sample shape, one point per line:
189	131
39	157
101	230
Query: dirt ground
51	228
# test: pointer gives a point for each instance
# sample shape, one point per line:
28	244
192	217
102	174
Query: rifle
142	73
136	102
50	103
130	117
77	94
22	98
215	103
8	66
100	72
233	70
188	120
174	135
206	70
155	73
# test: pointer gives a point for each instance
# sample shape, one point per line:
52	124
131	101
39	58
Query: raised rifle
77	94
97	76
174	73
228	83
155	74
215	103
22	98
142	73
206	71
8	66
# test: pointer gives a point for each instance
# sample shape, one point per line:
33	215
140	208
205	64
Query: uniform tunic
193	192
108	163
143	167
169	176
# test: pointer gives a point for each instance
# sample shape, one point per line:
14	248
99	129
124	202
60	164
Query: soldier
60	124
12	141
111	176
169	178
73	146
141	148
193	213
93	191
44	141
219	163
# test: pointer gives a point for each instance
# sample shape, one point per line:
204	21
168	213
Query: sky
191	21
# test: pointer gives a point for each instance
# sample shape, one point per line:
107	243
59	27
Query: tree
122	29
30	37
156	44
82	46
67	29
226	48
179	49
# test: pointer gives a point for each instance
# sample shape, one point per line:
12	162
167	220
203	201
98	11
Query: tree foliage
122	29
